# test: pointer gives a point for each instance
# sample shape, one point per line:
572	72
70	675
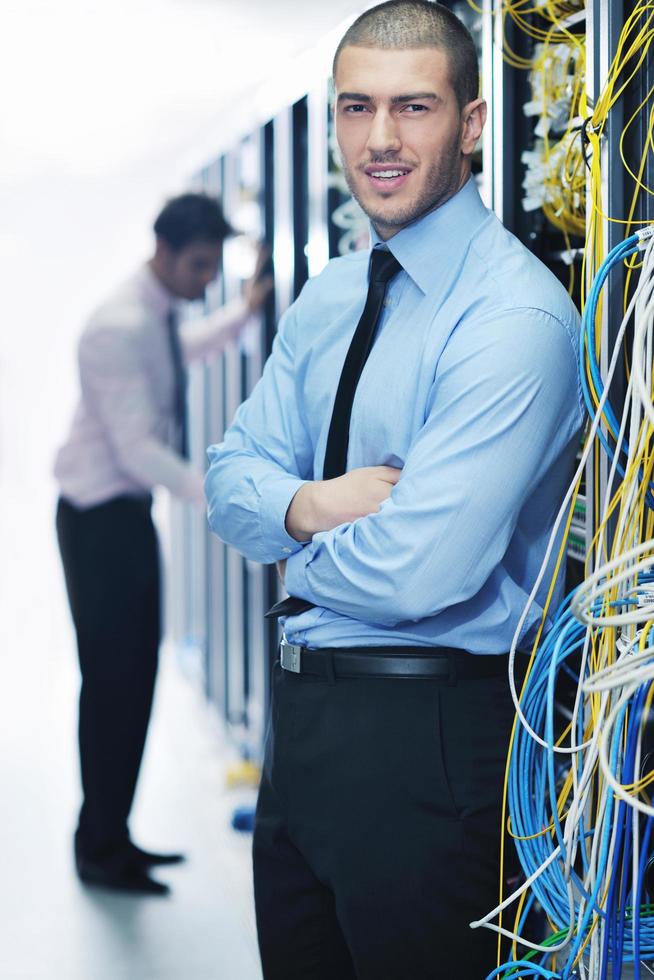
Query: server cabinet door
216	552
248	216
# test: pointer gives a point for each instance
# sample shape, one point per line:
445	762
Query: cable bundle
578	789
588	126
555	173
555	177
578	806
542	20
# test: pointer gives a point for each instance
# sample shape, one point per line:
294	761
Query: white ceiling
101	84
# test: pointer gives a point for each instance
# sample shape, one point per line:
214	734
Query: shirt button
286	551
388	302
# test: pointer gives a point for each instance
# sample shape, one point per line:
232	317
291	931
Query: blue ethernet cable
615	257
615	910
587	335
639	890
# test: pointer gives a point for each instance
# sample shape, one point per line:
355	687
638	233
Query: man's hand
325	504
256	289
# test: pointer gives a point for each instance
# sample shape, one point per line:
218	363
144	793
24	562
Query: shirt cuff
273	506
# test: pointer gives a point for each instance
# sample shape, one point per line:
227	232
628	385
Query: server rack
271	585
510	133
599	23
191	573
218	599
212	422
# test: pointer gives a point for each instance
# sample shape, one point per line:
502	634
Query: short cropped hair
192	218
419	24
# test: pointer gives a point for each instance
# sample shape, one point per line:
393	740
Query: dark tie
179	382
383	266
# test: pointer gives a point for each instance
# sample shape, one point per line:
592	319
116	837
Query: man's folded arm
504	405
264	459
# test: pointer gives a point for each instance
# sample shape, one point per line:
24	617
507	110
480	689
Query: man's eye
356	108
415	107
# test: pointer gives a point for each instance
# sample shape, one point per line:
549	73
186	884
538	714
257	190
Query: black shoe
128	877
147	859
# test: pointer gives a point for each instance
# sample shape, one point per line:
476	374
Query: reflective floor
52	928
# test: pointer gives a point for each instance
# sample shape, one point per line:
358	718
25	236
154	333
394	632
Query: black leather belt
445	663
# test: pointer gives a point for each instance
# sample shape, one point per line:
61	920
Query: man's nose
383	136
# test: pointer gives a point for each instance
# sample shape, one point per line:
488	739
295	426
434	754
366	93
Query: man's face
188	272
401	135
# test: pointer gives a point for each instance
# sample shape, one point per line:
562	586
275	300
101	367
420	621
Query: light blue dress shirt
471	388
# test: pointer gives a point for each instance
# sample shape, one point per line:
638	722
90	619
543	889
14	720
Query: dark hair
192	218
419	24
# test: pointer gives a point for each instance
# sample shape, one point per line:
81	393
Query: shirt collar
439	237
154	293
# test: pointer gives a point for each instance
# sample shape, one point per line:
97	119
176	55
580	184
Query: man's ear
474	117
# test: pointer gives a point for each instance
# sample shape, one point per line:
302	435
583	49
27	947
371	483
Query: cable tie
586	127
625	645
643	235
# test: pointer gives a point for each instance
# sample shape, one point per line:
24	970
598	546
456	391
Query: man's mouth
387	177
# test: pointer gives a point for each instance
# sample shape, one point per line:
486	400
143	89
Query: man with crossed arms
403	459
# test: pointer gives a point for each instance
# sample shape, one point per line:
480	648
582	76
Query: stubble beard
442	183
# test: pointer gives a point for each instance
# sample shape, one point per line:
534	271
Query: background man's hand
324	504
257	288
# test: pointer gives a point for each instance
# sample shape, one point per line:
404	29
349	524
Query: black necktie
179	382
383	266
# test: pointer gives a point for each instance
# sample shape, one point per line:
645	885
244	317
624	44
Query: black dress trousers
377	831
111	564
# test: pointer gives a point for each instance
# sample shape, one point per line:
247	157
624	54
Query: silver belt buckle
290	656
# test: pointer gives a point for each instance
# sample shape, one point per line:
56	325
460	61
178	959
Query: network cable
573	822
578	791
